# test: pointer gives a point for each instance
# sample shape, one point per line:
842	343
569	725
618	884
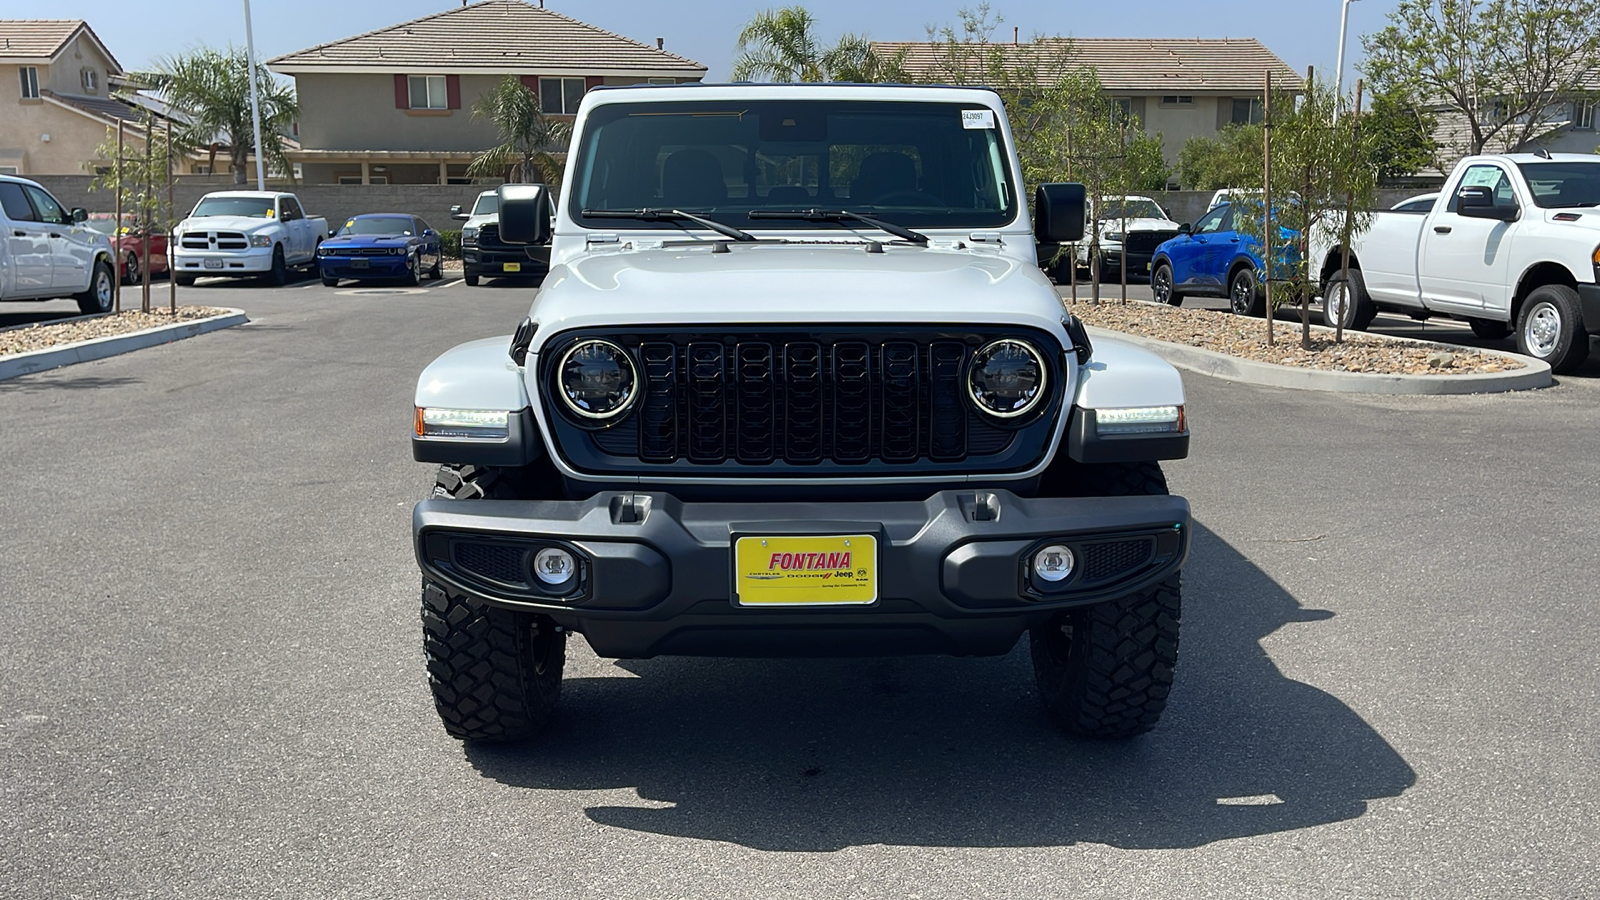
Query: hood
227	223
369	240
776	284
1139	225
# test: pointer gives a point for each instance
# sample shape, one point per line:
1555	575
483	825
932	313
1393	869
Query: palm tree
213	88
529	139
778	45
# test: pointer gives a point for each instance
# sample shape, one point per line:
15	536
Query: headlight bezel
452	424
588	418
1041	392
260	241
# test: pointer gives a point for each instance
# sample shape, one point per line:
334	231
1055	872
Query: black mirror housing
1059	213
524	213
1477	202
79	214
1186	228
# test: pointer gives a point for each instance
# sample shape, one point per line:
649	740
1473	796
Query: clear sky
1302	32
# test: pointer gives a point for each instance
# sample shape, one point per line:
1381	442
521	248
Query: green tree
1232	159
1401	136
213	88
781	45
529	140
1503	66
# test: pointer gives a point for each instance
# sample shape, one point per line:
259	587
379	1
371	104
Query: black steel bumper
491	261
655	575
1589	302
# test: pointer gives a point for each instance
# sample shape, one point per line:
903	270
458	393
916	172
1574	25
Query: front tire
329	282
1163	287
1244	294
471	280
183	280
101	295
413	276
1550	328
279	276
437	272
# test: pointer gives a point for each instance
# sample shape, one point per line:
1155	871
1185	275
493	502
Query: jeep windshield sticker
977	118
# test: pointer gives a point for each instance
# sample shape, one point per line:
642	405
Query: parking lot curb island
101	348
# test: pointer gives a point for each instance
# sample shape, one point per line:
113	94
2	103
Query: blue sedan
1213	258
381	245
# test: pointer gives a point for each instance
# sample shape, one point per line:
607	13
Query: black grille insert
495	562
1113	558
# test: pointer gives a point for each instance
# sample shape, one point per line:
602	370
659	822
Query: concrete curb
1249	371
114	345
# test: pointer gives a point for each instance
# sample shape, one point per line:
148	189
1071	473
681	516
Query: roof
500	36
1134	65
39	40
107	108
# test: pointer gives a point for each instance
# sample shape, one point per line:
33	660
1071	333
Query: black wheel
329	282
495	674
101	295
471	280
413	276
437	272
1105	670
1348	299
130	268
183	280
1162	286
1489	329
279	276
1244	294
1550	328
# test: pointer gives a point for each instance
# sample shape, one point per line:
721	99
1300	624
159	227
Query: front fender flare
478	375
1121	376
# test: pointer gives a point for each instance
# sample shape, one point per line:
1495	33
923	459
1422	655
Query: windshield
1558	185
922	165
1131	208
487	205
249	207
379	225
107	224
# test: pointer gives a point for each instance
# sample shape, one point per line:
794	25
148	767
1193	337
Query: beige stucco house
55	96
1179	87
394	106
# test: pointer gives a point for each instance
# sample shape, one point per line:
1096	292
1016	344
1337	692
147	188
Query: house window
428	92
1177	100
90	79
560	96
1121	110
9	170
1247	111
30	82
1584	119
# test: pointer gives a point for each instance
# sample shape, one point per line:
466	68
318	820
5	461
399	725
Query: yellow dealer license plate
511	267
835	570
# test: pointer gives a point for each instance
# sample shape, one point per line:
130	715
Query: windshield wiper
836	215
648	214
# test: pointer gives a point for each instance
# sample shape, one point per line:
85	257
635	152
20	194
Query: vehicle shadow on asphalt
819	755
26	384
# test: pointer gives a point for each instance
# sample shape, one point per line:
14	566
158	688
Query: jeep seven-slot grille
802	401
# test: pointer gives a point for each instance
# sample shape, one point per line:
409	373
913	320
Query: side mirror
1477	202
79	214
1059	213
524	213
456	213
427	232
1186	229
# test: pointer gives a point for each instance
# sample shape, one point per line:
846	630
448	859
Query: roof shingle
494	35
1135	65
34	39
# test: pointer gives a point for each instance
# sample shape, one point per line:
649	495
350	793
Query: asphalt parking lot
213	684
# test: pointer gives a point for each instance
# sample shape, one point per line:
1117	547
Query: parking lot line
456	283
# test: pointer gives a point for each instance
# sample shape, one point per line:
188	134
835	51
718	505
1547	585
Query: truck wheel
1354	306
471	280
100	296
279	276
1550	328
1105	670
1162	286
1244	295
183	280
495	674
1489	329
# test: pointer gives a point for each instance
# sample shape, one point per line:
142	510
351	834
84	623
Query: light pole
1338	74
255	102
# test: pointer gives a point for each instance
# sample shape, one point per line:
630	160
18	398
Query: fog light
1053	563
554	566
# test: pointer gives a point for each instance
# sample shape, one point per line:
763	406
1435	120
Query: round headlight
597	379
1007	378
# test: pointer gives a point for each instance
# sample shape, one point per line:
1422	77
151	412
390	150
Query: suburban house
1179	87
394	106
55	96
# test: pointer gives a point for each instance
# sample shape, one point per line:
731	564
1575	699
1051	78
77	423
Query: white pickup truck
1512	242
234	233
46	252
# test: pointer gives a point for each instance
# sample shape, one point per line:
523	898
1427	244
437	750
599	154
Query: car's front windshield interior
917	164
249	207
399	225
1133	209
1564	184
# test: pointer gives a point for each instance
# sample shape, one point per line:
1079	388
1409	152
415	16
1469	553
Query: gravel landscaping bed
1247	338
43	335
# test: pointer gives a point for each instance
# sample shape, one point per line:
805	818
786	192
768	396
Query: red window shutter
531	82
590	82
402	92
452	91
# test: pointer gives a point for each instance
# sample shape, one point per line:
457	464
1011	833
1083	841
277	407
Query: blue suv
1211	259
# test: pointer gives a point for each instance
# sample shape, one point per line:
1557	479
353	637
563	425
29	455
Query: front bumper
492	261
1589	303
254	261
364	266
656	575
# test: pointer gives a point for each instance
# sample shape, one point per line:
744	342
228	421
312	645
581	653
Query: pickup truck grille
213	240
745	401
1146	241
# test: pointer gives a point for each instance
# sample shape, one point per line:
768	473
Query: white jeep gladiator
257	233
47	252
796	386
1513	242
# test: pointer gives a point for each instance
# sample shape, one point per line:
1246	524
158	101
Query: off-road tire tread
483	666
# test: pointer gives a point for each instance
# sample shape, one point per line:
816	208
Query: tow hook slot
985	508
629	509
